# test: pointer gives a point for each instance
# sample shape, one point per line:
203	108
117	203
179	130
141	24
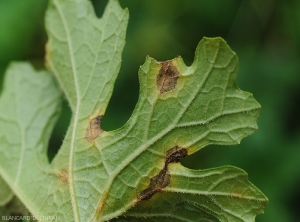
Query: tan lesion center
167	77
94	129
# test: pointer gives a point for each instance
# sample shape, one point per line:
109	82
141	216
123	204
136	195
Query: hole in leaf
59	131
99	7
215	156
121	104
204	158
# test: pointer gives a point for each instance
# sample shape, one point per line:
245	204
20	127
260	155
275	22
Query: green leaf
86	50
29	105
220	194
99	175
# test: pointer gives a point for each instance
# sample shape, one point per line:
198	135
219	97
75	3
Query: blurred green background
264	34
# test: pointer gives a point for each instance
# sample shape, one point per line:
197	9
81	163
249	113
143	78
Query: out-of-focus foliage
264	34
21	35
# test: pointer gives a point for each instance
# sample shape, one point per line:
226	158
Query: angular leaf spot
167	77
64	176
94	130
162	179
157	182
175	154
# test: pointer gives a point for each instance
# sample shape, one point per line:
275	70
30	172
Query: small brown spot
167	77
162	179
64	176
94	130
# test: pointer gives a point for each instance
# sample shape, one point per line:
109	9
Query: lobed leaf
29	107
220	194
135	170
206	107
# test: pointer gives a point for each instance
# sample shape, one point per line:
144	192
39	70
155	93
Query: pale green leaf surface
100	177
87	50
29	105
84	53
206	107
220	194
6	193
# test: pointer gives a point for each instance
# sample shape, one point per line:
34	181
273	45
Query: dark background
264	34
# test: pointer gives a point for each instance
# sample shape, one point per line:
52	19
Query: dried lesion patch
94	130
162	179
167	77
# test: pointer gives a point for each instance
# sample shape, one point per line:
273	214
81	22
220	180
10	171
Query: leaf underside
133	171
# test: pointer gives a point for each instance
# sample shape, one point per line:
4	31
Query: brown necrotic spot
94	129
167	77
175	154
64	176
157	183
162	179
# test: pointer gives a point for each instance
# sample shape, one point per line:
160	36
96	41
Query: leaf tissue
132	173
